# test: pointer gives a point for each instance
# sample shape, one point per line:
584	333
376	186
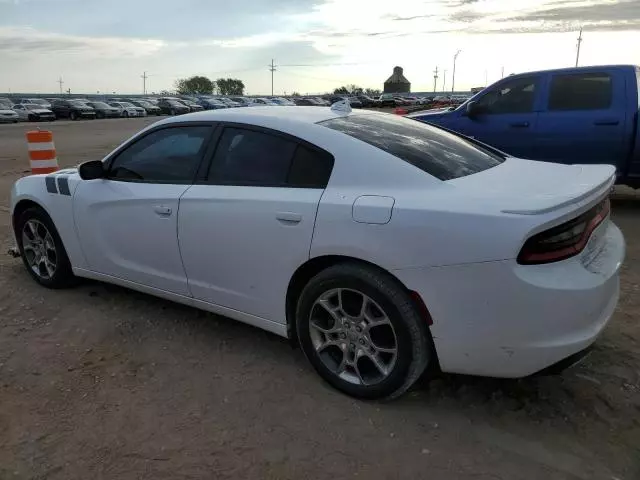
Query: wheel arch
313	266
22	205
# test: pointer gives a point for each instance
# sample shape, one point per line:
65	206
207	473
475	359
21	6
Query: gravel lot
100	382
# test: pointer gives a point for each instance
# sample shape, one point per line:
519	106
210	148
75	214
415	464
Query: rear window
439	153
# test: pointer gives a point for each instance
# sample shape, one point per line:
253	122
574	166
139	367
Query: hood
527	187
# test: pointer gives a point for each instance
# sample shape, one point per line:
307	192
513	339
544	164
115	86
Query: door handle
519	124
162	210
607	121
289	218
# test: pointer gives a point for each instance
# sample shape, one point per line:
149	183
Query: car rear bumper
502	319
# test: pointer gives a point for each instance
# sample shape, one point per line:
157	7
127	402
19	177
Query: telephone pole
444	81
578	51
435	79
453	78
144	77
502	73
60	82
272	68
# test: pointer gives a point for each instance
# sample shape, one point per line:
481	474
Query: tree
348	90
194	85
372	92
295	94
230	86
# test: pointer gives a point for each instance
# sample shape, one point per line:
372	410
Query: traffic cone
42	152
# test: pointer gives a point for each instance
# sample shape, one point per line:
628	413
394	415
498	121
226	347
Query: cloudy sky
106	45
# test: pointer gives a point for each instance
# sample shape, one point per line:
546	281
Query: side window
515	96
249	157
584	91
170	155
310	168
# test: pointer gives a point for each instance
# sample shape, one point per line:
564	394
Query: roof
262	115
575	69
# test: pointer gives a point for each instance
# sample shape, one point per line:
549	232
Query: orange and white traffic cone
42	152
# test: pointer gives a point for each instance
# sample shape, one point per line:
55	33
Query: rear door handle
162	210
607	121
289	218
519	124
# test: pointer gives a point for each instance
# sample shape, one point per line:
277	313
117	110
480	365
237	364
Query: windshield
38	101
432	150
175	103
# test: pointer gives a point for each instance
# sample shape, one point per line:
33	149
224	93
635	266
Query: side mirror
91	170
472	109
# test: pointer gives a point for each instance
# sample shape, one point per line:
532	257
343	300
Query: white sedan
127	109
380	244
7	115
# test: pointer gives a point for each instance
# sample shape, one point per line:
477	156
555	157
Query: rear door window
583	91
432	150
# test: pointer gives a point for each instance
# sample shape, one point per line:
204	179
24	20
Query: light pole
453	78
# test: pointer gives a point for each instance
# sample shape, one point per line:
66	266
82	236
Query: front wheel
125	114
31	118
172	112
362	332
73	116
42	251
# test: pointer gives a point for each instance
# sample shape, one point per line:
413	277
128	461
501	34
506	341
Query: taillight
563	241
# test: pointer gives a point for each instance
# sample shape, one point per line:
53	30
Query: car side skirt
268	325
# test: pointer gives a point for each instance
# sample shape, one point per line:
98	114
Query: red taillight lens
563	241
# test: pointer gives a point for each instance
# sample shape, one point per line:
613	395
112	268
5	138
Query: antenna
272	68
578	50
444	81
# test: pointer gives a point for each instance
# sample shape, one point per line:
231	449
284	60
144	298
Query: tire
172	112
401	325
31	118
100	115
73	116
125	114
62	275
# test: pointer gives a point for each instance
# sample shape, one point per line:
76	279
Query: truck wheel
42	251
362	332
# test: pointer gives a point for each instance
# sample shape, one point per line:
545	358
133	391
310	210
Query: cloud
29	41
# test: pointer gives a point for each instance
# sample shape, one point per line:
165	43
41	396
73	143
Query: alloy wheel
39	249
353	336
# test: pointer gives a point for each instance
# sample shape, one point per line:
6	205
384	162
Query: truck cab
574	115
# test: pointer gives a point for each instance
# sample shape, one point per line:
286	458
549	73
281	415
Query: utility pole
60	82
435	79
272	68
486	78
444	81
453	78
502	73
579	42
144	77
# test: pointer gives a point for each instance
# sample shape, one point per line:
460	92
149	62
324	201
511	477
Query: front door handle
519	124
162	210
289	218
607	121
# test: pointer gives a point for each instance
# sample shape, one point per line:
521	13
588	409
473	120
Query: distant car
72	109
306	102
193	107
367	101
387	100
127	109
37	101
261	101
353	101
32	112
150	108
7	115
170	106
103	110
228	102
283	102
211	104
243	101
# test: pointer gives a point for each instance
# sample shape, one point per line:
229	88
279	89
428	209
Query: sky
317	45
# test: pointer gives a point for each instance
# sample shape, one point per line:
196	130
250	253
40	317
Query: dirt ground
100	382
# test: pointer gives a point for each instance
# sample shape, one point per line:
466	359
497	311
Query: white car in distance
31	112
381	245
128	109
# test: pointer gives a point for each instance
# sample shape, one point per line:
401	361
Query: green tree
348	90
230	86
372	92
194	85
295	94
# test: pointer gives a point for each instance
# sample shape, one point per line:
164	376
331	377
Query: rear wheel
73	116
42	251
31	118
361	331
125	114
172	112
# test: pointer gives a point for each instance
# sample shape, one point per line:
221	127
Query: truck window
512	96
583	91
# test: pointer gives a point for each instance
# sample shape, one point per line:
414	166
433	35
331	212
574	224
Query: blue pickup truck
573	115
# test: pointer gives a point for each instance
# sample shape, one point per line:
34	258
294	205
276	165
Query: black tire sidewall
73	116
63	275
397	378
